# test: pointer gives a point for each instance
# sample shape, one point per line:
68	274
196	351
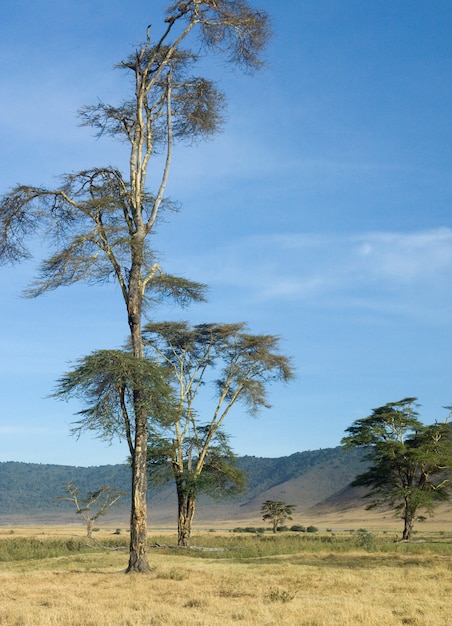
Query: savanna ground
54	576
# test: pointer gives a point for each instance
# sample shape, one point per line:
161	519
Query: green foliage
312	529
365	539
98	221
276	512
237	364
409	463
107	382
239	367
220	477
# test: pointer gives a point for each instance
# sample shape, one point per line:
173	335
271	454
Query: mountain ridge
306	479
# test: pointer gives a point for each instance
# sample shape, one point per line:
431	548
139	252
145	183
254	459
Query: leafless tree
93	505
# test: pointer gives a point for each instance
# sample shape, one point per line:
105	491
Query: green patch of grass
254	546
231	546
30	548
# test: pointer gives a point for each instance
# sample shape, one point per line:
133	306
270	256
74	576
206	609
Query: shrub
297	528
275	595
312	529
365	539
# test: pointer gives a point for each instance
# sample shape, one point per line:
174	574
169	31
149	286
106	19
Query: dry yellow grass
321	589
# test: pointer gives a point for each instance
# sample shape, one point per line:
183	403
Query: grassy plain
54	576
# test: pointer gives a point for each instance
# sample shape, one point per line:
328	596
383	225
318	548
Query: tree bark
408	521
138	561
186	501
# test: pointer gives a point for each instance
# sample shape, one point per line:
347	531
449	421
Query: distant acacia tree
236	367
92	505
409	463
99	221
276	512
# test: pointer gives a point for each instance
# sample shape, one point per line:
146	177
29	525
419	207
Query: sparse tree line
408	470
409	464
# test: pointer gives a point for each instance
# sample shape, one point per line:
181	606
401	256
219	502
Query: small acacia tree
99	221
409	463
93	505
239	367
276	512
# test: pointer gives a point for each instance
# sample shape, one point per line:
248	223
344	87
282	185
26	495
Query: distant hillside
307	479
29	489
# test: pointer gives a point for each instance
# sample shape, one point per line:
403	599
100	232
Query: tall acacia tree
409	463
239	366
98	221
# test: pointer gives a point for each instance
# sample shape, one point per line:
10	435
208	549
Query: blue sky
321	214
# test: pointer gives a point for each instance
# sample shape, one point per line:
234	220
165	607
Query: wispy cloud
407	258
375	269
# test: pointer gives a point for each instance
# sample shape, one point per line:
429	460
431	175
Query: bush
282	529
276	595
297	528
365	539
248	529
312	529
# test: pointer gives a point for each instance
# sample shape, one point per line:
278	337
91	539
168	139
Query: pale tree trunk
89	527
138	561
